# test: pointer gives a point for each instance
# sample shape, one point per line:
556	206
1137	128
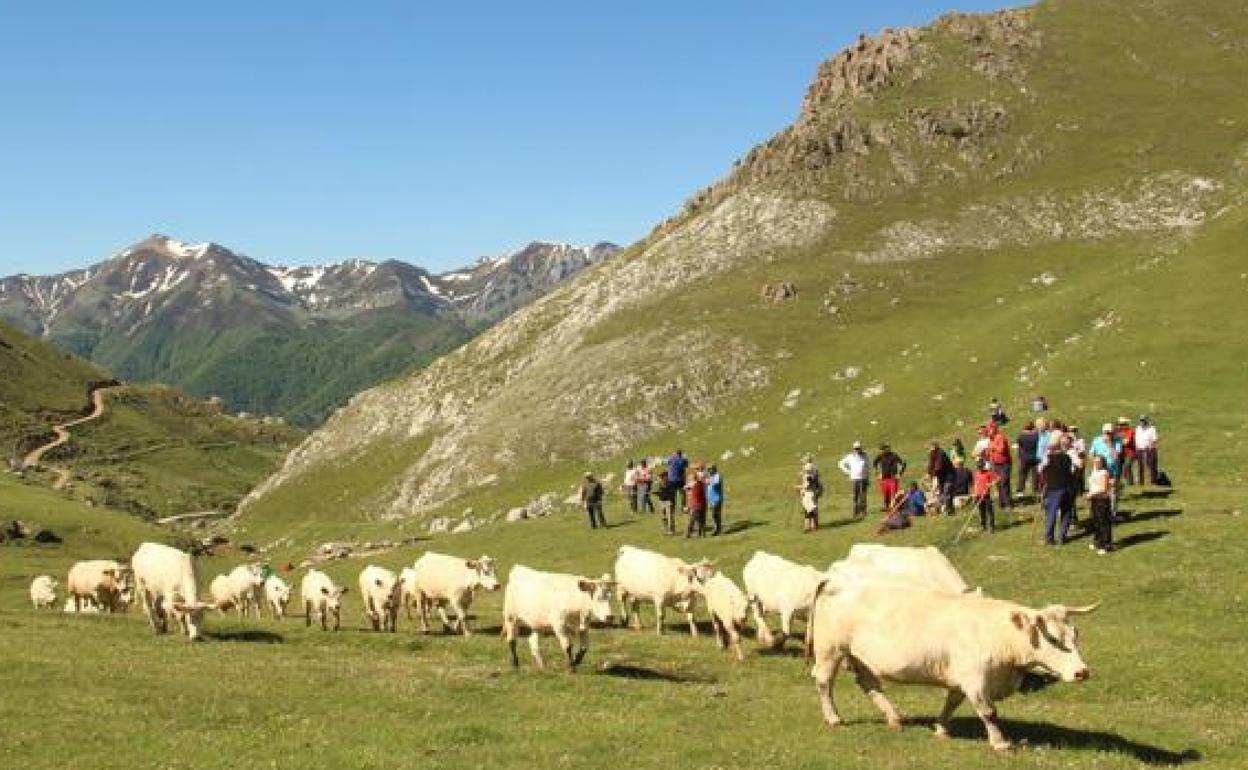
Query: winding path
34	458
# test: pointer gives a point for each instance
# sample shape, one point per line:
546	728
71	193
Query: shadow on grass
645	674
1139	538
250	636
1155	494
741	526
1035	682
624	523
1126	517
1039	734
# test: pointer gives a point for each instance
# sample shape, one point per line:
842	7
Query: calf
564	604
663	580
277	595
322	597
447	581
43	592
102	581
165	581
728	605
775	584
380	593
974	647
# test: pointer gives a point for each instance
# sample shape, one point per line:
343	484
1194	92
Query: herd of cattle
893	614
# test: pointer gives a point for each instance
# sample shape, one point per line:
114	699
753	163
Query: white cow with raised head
974	647
277	595
238	589
563	604
443	581
380	593
663	580
775	584
321	598
164	578
43	592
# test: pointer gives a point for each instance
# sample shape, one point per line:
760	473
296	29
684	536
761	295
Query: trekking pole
973	508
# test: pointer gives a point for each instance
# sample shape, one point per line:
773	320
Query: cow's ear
378	582
472	564
586	585
324	590
342	590
1020	620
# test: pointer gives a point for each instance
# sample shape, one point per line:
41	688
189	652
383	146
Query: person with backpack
889	466
854	465
1028	443
591	498
667	502
1059	472
715	499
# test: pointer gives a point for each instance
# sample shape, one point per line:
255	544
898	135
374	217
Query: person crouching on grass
1100	489
897	515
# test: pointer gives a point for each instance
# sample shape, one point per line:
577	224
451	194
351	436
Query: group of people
694	489
1058	463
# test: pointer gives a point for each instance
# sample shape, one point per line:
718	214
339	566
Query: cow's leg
565	643
625	609
721	635
824	672
423	609
509	633
871	685
953	699
337	618
988	715
447	627
307	613
461	617
407	605
760	623
535	647
693	627
734	639
658	615
786	627
583	640
149	609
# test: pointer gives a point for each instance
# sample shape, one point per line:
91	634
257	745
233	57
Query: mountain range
289	341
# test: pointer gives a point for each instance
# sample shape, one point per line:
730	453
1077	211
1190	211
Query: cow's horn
1082	610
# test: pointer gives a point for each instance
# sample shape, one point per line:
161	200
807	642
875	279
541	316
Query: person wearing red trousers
889	467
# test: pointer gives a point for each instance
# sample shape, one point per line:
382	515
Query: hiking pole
966	521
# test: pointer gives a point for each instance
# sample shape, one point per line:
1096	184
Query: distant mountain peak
168	247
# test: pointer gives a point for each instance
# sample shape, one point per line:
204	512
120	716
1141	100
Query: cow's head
333	597
600	592
191	616
487	577
277	589
389	585
256	574
1054	640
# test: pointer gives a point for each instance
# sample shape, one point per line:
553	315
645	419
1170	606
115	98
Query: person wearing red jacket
985	478
1000	458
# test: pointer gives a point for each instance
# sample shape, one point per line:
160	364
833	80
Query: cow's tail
809	646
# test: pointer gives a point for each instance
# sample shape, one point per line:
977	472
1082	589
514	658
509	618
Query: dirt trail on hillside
34	458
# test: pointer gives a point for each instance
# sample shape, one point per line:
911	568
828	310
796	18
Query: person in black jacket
940	470
1059	494
591	498
890	467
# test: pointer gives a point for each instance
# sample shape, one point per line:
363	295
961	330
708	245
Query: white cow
775	584
564	604
728	606
165	580
277	595
238	589
663	580
102	581
322	597
873	563
381	593
445	581
43	592
973	646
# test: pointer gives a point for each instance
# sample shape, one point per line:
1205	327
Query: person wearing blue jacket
1108	447
715	498
677	468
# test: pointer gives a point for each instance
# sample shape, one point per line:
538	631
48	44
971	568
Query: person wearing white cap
855	466
1146	450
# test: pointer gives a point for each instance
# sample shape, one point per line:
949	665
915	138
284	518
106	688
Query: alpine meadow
1049	200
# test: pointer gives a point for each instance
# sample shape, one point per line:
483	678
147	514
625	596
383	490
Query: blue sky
436	133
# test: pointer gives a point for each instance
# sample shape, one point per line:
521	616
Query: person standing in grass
890	467
940	471
809	490
1146	450
696	495
1028	441
854	465
629	486
1100	486
591	498
677	467
1108	447
643	478
1126	435
986	478
1058	471
957	450
667	502
715	499
960	487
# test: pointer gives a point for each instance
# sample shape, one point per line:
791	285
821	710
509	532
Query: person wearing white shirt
1146	450
1100	492
630	486
855	466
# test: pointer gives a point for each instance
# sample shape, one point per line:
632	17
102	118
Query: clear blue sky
433	132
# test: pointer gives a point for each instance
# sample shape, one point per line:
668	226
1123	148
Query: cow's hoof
940	731
1003	745
894	725
834	723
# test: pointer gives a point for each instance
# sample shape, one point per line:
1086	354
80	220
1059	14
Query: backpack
1163	480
